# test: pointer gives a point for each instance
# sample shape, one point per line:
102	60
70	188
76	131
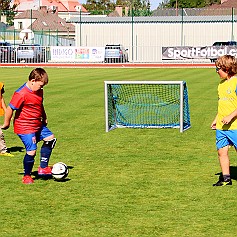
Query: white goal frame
181	83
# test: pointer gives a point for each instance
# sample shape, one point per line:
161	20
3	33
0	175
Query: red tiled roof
46	21
63	5
227	4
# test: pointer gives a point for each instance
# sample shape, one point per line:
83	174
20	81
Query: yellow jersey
1	91
227	103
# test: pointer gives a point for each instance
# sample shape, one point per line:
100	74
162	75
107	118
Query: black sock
226	177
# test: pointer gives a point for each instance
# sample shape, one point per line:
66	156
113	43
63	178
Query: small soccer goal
146	104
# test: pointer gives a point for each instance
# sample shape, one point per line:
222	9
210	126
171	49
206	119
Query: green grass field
128	182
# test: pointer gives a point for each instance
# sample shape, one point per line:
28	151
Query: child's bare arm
4	104
7	118
213	124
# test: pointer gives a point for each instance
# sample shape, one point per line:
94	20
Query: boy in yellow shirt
225	122
3	147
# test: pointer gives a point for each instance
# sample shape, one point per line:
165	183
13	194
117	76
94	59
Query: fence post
49	37
182	26
132	38
57	37
31	18
80	26
232	25
14	36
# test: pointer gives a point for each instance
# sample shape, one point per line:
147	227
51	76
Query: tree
6	9
188	3
99	7
136	7
4	4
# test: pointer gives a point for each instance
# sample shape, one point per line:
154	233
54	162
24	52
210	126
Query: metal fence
44	38
143	37
24	54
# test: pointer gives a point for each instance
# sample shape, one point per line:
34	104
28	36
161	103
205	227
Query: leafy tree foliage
6	9
142	7
136	7
99	7
188	3
4	4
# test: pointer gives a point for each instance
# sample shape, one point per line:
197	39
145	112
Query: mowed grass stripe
128	182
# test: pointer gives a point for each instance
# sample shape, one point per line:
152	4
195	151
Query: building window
20	25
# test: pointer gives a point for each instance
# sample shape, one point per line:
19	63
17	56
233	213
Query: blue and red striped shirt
29	109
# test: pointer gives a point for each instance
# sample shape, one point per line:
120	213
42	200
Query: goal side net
146	104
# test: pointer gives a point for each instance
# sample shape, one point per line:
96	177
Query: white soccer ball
60	171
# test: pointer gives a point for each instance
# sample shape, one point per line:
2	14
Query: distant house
65	8
45	21
226	4
224	8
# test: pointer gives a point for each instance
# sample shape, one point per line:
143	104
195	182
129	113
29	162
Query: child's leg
46	150
223	140
48	144
28	162
29	141
3	147
224	160
225	167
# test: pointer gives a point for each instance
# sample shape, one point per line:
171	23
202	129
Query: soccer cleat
6	154
45	171
27	179
223	183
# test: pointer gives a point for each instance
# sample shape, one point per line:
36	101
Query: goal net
146	104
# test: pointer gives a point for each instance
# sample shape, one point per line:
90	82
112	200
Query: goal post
146	104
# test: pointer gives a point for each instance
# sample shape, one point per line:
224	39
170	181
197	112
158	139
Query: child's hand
226	120
213	125
5	127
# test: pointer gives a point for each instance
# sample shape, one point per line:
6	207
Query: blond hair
228	64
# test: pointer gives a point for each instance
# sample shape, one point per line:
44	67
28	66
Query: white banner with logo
209	52
76	54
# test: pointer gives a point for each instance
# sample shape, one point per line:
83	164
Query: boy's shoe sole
6	154
27	179
223	183
45	171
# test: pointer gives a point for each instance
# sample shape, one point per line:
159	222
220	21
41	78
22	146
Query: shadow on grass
47	177
233	172
16	149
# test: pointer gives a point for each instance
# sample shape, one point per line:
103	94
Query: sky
154	3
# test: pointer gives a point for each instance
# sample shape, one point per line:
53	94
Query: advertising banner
77	54
208	52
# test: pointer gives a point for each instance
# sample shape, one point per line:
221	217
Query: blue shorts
226	138
30	140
